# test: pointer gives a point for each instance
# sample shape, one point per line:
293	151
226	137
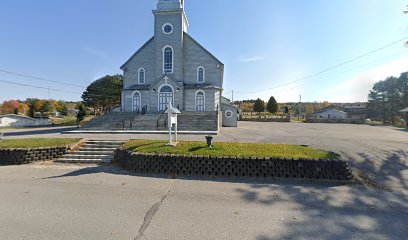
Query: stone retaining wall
233	167
21	156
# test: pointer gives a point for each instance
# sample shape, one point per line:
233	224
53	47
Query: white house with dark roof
13	120
172	67
329	113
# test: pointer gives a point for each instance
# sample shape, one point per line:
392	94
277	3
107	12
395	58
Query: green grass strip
228	149
37	142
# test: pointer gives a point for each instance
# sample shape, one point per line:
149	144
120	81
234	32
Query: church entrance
165	97
136	102
200	102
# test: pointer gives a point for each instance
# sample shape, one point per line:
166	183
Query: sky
281	48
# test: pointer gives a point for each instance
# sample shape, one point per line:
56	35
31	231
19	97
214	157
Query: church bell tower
170	25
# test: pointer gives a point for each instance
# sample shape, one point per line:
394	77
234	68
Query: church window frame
136	101
200	74
160	106
168	61
165	30
199	102
141	76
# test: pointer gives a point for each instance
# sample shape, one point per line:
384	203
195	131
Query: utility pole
299	105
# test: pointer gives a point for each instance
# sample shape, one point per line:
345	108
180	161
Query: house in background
329	113
13	120
356	111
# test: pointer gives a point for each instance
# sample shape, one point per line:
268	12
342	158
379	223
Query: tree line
387	98
34	107
295	108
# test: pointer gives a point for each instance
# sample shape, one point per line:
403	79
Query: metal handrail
158	119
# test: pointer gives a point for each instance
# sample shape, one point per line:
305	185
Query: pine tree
272	105
259	106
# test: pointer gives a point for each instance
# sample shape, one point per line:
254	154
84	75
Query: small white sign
173	120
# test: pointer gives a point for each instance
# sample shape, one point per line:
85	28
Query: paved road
40	201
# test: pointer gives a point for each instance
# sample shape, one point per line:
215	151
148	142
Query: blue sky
263	44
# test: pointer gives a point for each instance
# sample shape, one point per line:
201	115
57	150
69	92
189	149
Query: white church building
172	67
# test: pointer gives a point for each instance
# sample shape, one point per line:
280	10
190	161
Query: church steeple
170	4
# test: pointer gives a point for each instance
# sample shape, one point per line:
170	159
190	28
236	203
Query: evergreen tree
104	93
388	97
272	105
259	106
81	113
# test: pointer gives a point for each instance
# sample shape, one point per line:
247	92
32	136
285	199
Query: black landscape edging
16	156
204	166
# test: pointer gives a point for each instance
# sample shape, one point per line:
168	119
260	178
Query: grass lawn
37	142
9	128
228	149
68	120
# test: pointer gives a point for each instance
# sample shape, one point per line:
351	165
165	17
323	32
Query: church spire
170	4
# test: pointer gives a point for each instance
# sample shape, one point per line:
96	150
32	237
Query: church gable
195	57
149	43
144	59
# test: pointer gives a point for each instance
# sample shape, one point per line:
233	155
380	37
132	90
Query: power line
38	78
38	87
52	89
48	80
331	68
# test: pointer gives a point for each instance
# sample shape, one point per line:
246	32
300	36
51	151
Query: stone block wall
225	167
22	156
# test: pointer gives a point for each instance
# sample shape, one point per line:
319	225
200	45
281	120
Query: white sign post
172	120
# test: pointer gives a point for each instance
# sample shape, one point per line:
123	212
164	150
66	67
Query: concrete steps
92	151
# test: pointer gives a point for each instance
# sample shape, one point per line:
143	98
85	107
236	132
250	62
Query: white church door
136	102
165	97
200	102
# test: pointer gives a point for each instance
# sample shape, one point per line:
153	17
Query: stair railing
158	119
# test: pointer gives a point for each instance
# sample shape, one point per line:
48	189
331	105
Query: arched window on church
200	101
200	74
142	76
168	60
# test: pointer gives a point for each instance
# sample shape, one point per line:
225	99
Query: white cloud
95	52
357	89
243	59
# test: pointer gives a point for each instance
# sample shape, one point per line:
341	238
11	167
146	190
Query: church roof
198	44
186	35
200	86
328	110
140	49
138	87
